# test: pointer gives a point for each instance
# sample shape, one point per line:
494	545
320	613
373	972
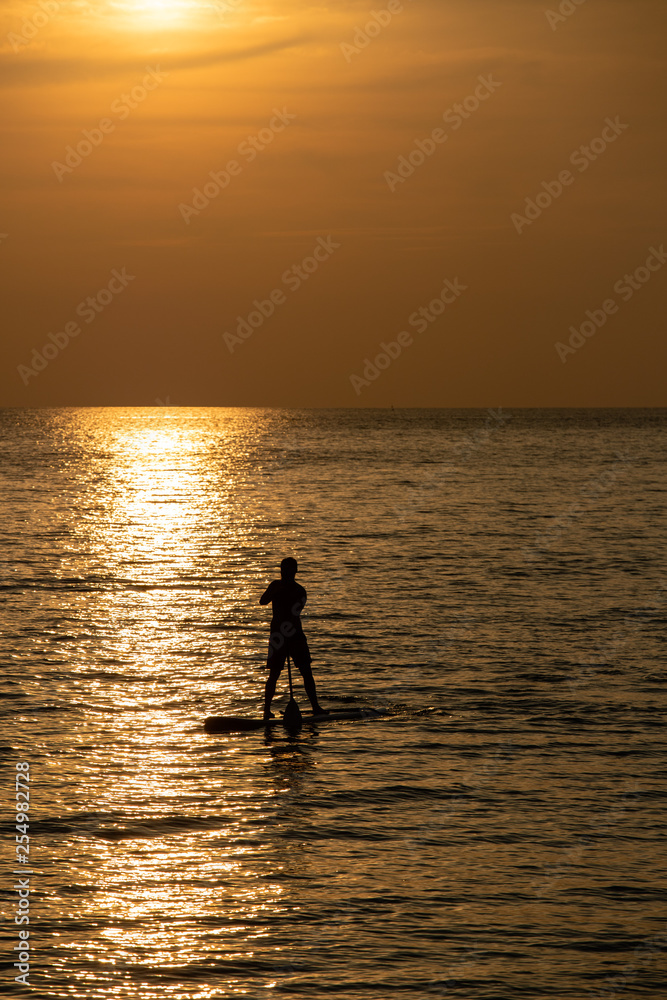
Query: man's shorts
296	646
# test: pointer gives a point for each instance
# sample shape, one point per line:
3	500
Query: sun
162	6
171	15
157	12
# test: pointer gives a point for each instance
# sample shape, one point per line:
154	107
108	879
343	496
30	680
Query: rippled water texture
494	580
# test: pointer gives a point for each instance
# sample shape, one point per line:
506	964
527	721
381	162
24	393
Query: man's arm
267	596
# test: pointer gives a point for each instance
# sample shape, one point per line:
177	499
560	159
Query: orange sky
124	286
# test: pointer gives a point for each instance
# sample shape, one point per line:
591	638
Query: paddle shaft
289	677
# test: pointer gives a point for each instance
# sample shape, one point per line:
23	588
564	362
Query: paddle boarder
287	598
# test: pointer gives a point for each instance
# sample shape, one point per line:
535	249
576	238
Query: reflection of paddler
287	598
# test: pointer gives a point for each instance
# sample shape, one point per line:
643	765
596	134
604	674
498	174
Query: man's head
288	568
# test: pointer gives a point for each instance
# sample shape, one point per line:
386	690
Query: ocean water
493	580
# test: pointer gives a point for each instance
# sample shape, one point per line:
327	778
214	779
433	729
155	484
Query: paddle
292	713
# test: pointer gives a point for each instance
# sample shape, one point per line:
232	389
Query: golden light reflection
223	841
169	513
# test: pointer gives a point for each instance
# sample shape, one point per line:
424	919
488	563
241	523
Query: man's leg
311	690
301	657
269	691
275	663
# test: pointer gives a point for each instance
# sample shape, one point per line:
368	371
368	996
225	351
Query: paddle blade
292	715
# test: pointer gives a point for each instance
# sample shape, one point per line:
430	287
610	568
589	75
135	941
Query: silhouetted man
287	598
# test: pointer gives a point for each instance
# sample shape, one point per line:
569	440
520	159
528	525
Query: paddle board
242	724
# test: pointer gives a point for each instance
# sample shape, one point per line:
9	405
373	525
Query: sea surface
493	580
